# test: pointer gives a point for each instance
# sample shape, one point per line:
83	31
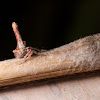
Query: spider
21	50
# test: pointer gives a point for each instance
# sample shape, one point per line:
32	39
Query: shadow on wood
61	79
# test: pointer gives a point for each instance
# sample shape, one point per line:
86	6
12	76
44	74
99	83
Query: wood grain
79	56
84	86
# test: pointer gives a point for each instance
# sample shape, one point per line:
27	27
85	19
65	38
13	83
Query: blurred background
47	24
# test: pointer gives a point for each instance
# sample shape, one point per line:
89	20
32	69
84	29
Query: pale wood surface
83	86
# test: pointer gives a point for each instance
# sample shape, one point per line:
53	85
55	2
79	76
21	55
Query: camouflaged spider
21	50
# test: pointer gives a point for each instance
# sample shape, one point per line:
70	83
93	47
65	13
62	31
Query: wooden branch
79	56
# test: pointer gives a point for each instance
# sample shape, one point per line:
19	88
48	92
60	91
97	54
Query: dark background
47	24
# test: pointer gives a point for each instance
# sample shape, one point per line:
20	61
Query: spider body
21	50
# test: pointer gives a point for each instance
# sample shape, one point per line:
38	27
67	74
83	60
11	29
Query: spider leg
29	54
31	51
38	49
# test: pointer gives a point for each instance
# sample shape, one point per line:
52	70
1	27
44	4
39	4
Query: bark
79	56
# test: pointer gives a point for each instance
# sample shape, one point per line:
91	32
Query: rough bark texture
79	56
